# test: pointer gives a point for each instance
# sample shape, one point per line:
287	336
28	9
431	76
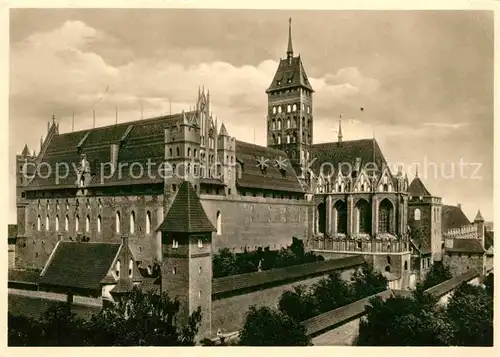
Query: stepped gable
453	217
144	139
272	178
347	152
418	189
186	215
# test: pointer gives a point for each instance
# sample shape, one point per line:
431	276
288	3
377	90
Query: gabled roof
453	217
269	179
417	188
79	265
186	215
464	245
348	154
290	74
223	130
138	141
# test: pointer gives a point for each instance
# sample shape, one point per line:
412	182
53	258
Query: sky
423	78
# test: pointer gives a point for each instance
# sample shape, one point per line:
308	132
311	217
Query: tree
331	292
488	284
470	309
142	319
298	304
436	275
247	262
224	263
269	327
367	282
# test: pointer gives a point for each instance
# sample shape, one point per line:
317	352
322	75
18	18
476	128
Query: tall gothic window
273	124
341	212
219	223
77	223
99	224
57	223
321	219
274	110
288	139
294	108
66	223
364	216
132	222
288	123
38	223
385	216
279	139
87	224
117	222
47	223
279	124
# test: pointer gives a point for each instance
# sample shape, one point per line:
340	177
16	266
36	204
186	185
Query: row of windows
98	223
291	90
66	205
342	187
289	123
130	268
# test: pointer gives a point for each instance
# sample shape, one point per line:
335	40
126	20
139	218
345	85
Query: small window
199	294
174	270
274	110
117	222
99	224
117	268
219	223
200	243
279	109
175	243
47	223
417	214
38	223
199	269
66	223
406	265
77	223
130	268
57	223
148	222
132	222
87	224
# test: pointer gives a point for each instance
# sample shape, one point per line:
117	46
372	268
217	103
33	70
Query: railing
358	243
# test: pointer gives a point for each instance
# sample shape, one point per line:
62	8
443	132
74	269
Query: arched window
178	151
47	223
386	188
273	124
132	222
38	205
279	124
288	108
130	268
57	223
279	108
406	265
57	205
170	152
294	137
87	223
189	151
38	223
219	223
148	222
77	223
194	153
288	139
117	268
288	123
117	222
321	217
279	139
364	217
341	215
294	108
417	214
66	223
385	216
88	204
99	223
274	110
67	205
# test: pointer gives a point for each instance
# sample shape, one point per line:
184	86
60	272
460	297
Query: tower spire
289	51
340	128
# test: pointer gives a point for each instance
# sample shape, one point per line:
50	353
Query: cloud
445	125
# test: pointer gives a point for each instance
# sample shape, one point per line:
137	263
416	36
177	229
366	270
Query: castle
340	198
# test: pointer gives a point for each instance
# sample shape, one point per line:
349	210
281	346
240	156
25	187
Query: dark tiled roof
144	140
448	285
290	75
331	318
417	188
488	239
244	281
12	231
79	265
123	286
27	276
186	215
466	246
342	155
453	217
270	179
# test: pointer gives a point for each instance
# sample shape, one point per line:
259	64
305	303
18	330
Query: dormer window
278	83
117	269
175	243
130	268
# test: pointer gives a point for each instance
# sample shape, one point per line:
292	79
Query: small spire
289	51
340	128
416	172
53	118
479	217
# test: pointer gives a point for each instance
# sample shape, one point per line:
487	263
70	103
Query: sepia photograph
250	177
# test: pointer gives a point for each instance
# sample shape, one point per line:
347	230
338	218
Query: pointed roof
417	188
26	151
223	131
289	51
186	215
453	217
479	217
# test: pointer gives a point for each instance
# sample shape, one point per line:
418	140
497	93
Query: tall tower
25	169
290	108
187	260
